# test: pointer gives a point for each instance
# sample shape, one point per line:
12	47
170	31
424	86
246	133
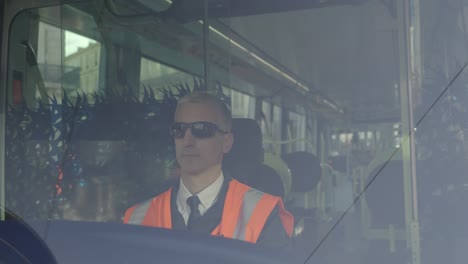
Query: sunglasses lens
178	130
203	130
198	129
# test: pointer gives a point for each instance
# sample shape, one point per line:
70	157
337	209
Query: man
205	200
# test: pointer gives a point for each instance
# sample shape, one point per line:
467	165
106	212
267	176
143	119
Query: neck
197	182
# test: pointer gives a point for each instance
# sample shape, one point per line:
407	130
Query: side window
82	142
265	125
53	79
155	75
276	123
271	118
64	60
296	132
82	56
242	105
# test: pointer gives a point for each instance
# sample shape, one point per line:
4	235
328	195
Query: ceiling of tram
347	52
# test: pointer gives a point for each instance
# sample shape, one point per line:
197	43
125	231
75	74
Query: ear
228	141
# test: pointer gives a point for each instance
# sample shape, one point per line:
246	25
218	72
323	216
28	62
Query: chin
192	170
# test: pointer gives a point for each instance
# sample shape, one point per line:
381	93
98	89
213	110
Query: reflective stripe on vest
249	203
139	213
155	212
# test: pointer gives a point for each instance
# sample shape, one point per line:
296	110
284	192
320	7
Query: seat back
306	173
385	196
267	180
305	170
244	161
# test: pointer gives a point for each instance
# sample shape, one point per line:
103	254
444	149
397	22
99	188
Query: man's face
197	155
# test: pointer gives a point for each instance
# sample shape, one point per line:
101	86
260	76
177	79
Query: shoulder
160	195
137	213
244	188
249	195
164	189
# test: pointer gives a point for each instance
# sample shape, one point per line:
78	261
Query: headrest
275	162
247	136
247	148
268	180
244	161
305	170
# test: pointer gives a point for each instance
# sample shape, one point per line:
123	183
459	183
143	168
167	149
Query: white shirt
207	196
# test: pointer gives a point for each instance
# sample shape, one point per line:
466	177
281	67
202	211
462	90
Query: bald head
201	97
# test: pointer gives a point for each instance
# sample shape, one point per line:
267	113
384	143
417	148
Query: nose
188	138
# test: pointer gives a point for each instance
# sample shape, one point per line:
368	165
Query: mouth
190	155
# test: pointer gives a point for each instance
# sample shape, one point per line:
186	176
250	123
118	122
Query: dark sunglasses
198	129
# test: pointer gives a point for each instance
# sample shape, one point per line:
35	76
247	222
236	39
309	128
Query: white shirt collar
207	196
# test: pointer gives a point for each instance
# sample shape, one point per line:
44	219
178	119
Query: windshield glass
349	115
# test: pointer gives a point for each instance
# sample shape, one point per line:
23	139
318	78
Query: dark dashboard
90	242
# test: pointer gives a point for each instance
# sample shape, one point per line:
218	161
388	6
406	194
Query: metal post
414	87
206	39
410	82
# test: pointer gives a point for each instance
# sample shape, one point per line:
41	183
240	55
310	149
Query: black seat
305	170
385	196
306	173
386	202
245	160
268	180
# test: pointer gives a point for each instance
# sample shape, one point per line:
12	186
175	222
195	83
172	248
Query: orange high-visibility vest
245	212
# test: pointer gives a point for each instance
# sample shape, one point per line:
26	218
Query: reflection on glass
376	199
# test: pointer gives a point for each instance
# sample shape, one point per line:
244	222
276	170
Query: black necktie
193	202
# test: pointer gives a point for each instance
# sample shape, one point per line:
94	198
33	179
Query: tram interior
358	107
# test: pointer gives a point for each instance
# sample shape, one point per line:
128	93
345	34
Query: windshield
350	115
